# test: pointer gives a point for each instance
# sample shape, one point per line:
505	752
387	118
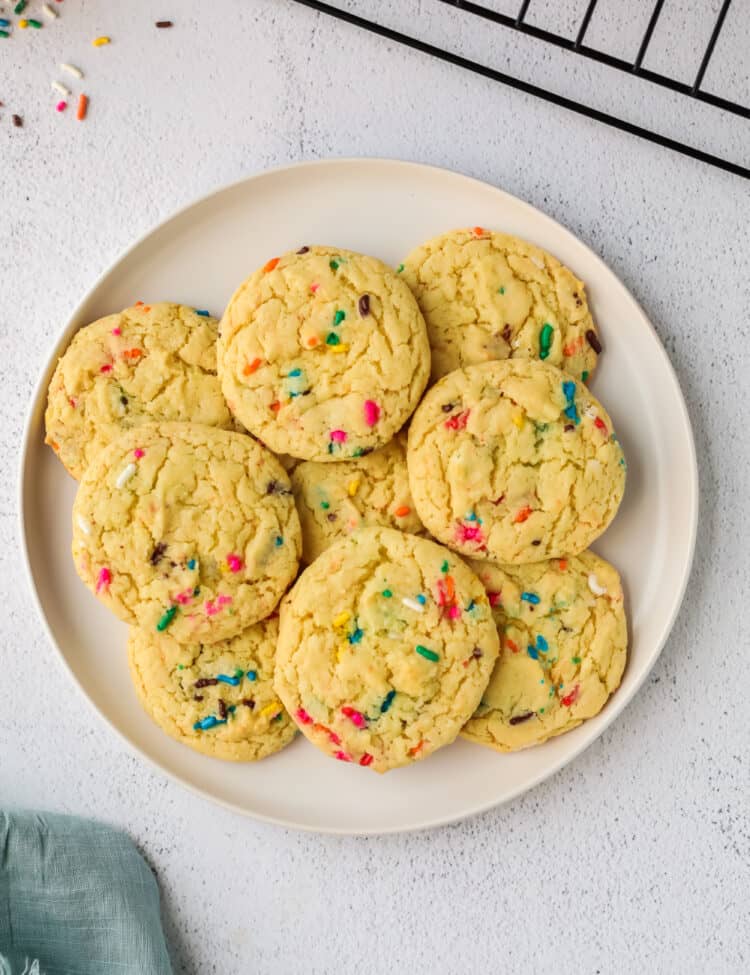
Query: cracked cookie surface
333	500
386	644
188	529
487	295
218	699
148	363
563	647
514	461
323	354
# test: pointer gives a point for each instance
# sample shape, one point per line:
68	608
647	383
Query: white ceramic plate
382	208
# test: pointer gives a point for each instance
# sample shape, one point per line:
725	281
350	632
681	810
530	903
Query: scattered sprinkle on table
164	23
72	69
49	11
83	105
61	106
36	24
101	41
20	6
17	121
57	86
4	33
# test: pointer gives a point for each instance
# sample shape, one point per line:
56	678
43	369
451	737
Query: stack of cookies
448	588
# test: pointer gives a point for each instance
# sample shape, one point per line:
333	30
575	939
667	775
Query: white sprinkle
595	587
125	475
50	11
412	604
590	412
83	525
72	69
536	260
61	88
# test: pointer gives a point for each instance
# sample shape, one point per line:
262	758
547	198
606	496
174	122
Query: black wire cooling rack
577	46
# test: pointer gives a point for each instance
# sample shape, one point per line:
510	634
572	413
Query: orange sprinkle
480	231
312	341
83	104
563	563
251	367
511	645
132	353
271	264
572	347
276	406
417	748
138	304
403	511
54	445
450	589
522	515
147	307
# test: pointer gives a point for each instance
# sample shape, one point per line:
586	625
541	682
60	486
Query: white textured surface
634	859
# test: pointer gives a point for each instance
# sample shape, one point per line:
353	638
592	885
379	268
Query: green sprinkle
444	567
180	666
334	265
332	339
4	33
339	317
400	268
34	23
20	6
166	619
541	710
387	593
239	673
575	660
501	291
545	340
325	505
427	654
584	375
197	591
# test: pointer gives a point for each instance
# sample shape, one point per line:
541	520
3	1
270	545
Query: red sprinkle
106	368
600	424
342	756
511	645
572	697
495	598
275	406
458	422
356	717
563	563
366	759
303	716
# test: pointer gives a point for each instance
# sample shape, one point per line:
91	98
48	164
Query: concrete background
637	857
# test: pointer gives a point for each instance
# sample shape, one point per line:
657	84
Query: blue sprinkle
232	708
4	22
532	652
471	516
191	564
387	701
572	413
530	597
471	606
356	636
541	644
278	541
209	722
202	312
223	679
569	390
421	599
295	372
251	675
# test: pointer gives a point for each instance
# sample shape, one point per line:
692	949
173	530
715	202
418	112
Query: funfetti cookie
333	500
563	646
385	647
186	529
144	364
217	699
487	295
515	462
323	354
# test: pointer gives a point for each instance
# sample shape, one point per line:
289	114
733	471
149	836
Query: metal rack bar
524	86
711	44
585	23
647	36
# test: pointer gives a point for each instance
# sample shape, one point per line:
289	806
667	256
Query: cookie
333	500
563	645
218	699
147	363
385	647
487	295
515	462
323	354
188	529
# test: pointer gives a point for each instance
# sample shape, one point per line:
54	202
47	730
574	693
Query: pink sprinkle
338	436
342	756
458	422
183	598
495	598
454	612
314	287
72	402
303	716
234	562
223	600
105	577
356	717
117	331
61	106
372	412
366	759
334	737
106	368
469	533
138	453
211	608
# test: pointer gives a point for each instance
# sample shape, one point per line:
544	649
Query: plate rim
615	706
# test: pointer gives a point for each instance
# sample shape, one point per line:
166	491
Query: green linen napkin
76	898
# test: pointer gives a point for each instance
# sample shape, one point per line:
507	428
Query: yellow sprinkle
342	619
100	41
343	347
353	487
23	24
343	649
518	419
274	706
